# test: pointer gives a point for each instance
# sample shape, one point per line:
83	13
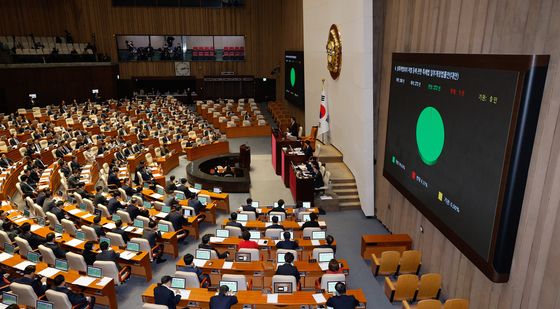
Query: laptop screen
160	191
147	205
202	254
217	190
105	239
138	223
9	298
318	235
222	233
243	257
198	186
33	257
180	196
255	204
9	248
280	258
163	227
187	212
116	218
306	205
325	257
132	246
41	304
203	200
255	234
232	285
331	286
61	264
178	283
80	235
83	206
166	209
242	217
94	272
41	221
58	228
306	218
282	287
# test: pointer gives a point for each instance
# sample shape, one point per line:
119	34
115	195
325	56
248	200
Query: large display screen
459	137
293	77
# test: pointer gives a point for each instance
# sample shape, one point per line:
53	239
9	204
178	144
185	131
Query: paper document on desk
161	215
87	216
103	281
199	263
22	219
272	298
75	211
267	224
83	281
319	298
315	242
157	196
227	265
35	227
129	228
193	190
109	225
74	242
4	256
262	242
300	223
322	223
49	272
243	223
216	239
22	265
324	266
127	255
185	294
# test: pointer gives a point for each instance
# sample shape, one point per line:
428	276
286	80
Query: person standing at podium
294	127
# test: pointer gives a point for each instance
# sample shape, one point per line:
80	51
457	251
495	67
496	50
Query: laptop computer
95	272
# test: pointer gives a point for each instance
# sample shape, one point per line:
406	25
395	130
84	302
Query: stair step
343	180
345	192
349	205
344	186
349	198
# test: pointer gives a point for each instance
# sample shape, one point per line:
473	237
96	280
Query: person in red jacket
247	242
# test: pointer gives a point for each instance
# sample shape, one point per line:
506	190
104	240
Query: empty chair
39	211
410	262
78	198
145	220
280	215
294	252
169	225
456	303
123	194
47	255
234	231
326	278
23	245
4	238
116	239
242	284
385	265
429	286
308	231
89	233
25	294
144	246
273	233
53	220
246	123
255	254
109	269
60	300
423	304
104	210
284	279
191	279
76	262
403	289
125	217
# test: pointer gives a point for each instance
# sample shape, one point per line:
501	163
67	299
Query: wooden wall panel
484	26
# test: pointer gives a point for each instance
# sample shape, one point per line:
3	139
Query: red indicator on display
413	176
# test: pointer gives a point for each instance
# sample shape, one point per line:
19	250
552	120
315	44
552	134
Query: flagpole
322	91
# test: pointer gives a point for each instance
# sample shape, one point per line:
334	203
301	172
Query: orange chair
403	289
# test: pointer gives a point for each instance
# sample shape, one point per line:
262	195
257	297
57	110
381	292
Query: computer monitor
58	228
305	218
325	257
203	200
33	95
9	298
166	209
291	235
9	248
198	186
133	246
275	204
306	205
138	223
280	258
147	205
41	304
255	204
160	191
115	218
243	257
283	287
180	196
242	217
61	264
187	212
83	206
217	190
222	233
318	235
80	235
41	221
255	234
26	213
202	254
146	185
95	272
163	227
178	283
331	286
33	257
105	239
232	285
94	91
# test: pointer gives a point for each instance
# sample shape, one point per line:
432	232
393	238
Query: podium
245	156
277	143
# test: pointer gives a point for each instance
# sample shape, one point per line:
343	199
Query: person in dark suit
280	207
99	198
307	150
26	188
233	221
120	231
107	255
169	199
97	226
205	245
196	204
249	207
185	188
113	179
89	255
204	279
82	191
33	240
38	163
341	300
287	243
313	217
59	152
275	224
78	300
176	218
151	234
41	196
113	204
330	240
133	209
294	127
13	141
74	164
38	284
74	180
222	301
64	168
58	252
318	181
287	269
171	186
5	162
164	295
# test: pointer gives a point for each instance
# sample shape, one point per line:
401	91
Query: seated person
133	208
196	204
275	224
107	254
170	198
74	180
58	252
247	242
287	269
205	245
233	221
97	226
249	207
113	179
74	164
38	284
99	198
33	240
222	300
89	255
171	186
341	300
330	240
26	188
185	188
120	231
81	190
313	217
280	207
176	217
56	209
334	267
113	204
164	295
287	243
151	234
204	279
78	300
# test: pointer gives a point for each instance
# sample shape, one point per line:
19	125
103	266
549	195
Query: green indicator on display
393	159
430	135
293	77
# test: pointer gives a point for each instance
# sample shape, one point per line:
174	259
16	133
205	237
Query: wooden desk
288	225
248	131
8	180
289	158
209	211
198	152
277	142
302	189
169	162
50	178
384	242
200	297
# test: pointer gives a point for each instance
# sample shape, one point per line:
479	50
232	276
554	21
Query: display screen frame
290	97
531	71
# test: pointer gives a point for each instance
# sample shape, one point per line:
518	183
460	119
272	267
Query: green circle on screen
293	76
430	135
